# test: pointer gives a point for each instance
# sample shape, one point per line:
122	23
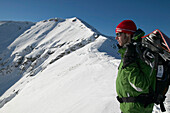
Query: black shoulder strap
162	107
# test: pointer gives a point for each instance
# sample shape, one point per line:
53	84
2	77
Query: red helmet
126	26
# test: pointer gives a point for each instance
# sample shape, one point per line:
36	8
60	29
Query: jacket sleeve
139	76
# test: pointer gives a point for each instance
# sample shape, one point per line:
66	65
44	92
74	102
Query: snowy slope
77	83
59	66
10	30
50	40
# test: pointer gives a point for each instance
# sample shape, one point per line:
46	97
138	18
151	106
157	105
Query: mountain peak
53	49
33	46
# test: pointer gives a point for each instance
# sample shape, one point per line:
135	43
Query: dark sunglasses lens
118	34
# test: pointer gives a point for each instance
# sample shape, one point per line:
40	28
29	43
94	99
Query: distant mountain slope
10	30
31	44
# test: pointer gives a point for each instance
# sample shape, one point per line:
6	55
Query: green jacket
132	81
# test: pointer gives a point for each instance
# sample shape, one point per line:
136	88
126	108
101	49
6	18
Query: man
135	80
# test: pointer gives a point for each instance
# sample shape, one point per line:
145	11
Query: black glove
130	55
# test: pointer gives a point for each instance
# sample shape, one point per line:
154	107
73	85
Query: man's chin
120	44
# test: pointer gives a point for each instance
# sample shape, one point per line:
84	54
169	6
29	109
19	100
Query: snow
59	66
9	31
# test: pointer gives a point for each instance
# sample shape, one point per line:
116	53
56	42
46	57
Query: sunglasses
118	34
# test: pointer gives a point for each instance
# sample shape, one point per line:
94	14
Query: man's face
121	38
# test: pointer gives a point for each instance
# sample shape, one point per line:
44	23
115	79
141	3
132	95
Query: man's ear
128	35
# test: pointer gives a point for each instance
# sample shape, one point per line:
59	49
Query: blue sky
104	15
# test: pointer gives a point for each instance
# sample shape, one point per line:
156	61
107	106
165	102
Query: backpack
154	49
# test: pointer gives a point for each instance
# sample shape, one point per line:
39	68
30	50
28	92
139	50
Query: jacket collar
121	50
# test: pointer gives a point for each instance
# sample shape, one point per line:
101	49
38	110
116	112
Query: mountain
57	66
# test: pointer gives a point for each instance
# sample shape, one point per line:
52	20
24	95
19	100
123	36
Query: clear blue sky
104	15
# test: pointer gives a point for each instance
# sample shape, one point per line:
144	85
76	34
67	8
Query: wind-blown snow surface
59	66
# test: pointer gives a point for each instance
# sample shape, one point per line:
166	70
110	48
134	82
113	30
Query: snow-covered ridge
39	44
32	47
